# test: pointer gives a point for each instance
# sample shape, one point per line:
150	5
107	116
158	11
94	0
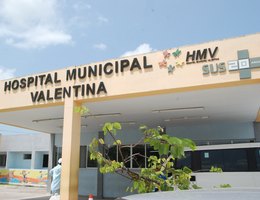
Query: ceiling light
103	115
123	122
178	109
48	119
186	118
83	125
128	122
91	115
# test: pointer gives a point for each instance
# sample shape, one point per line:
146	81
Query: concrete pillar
33	160
51	160
100	175
257	131
8	158
70	151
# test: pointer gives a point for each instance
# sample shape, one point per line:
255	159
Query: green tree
160	172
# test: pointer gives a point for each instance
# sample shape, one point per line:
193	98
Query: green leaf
107	127
165	137
189	143
83	110
101	141
177	151
117	142
166	149
117	125
175	141
77	109
161	149
187	170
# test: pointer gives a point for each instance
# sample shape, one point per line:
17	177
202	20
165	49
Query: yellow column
70	151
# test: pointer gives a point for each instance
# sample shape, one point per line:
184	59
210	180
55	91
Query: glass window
83	157
111	153
57	154
45	160
91	163
235	160
27	156
257	152
186	161
227	159
138	156
211	158
126	155
2	160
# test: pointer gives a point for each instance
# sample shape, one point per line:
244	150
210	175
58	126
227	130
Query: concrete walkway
12	192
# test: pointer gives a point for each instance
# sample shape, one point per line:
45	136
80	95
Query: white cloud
100	46
102	19
6	73
32	23
141	49
81	6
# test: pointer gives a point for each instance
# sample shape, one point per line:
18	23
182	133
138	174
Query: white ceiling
231	104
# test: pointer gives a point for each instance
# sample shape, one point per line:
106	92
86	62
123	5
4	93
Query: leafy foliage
160	174
196	187
81	109
225	186
215	169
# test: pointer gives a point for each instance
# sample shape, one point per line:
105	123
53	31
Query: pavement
14	192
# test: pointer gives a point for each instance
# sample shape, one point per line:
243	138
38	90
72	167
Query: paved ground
9	192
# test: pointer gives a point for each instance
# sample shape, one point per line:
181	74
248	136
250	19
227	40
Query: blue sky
42	35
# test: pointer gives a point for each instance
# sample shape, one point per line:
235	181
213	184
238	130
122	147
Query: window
126	156
211	158
2	160
227	159
111	153
57	154
138	156
27	156
186	161
83	157
257	153
235	160
45	160
91	163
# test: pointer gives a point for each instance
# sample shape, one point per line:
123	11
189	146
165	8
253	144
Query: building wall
38	164
16	161
88	181
15	146
235	179
203	132
210	131
257	131
24	177
115	185
25	142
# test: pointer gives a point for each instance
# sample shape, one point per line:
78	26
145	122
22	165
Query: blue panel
243	54
245	73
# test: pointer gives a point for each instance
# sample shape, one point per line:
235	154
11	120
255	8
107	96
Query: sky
43	35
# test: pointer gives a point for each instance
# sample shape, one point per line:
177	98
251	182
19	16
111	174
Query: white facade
25	151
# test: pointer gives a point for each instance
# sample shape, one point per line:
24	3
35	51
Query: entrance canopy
219	105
